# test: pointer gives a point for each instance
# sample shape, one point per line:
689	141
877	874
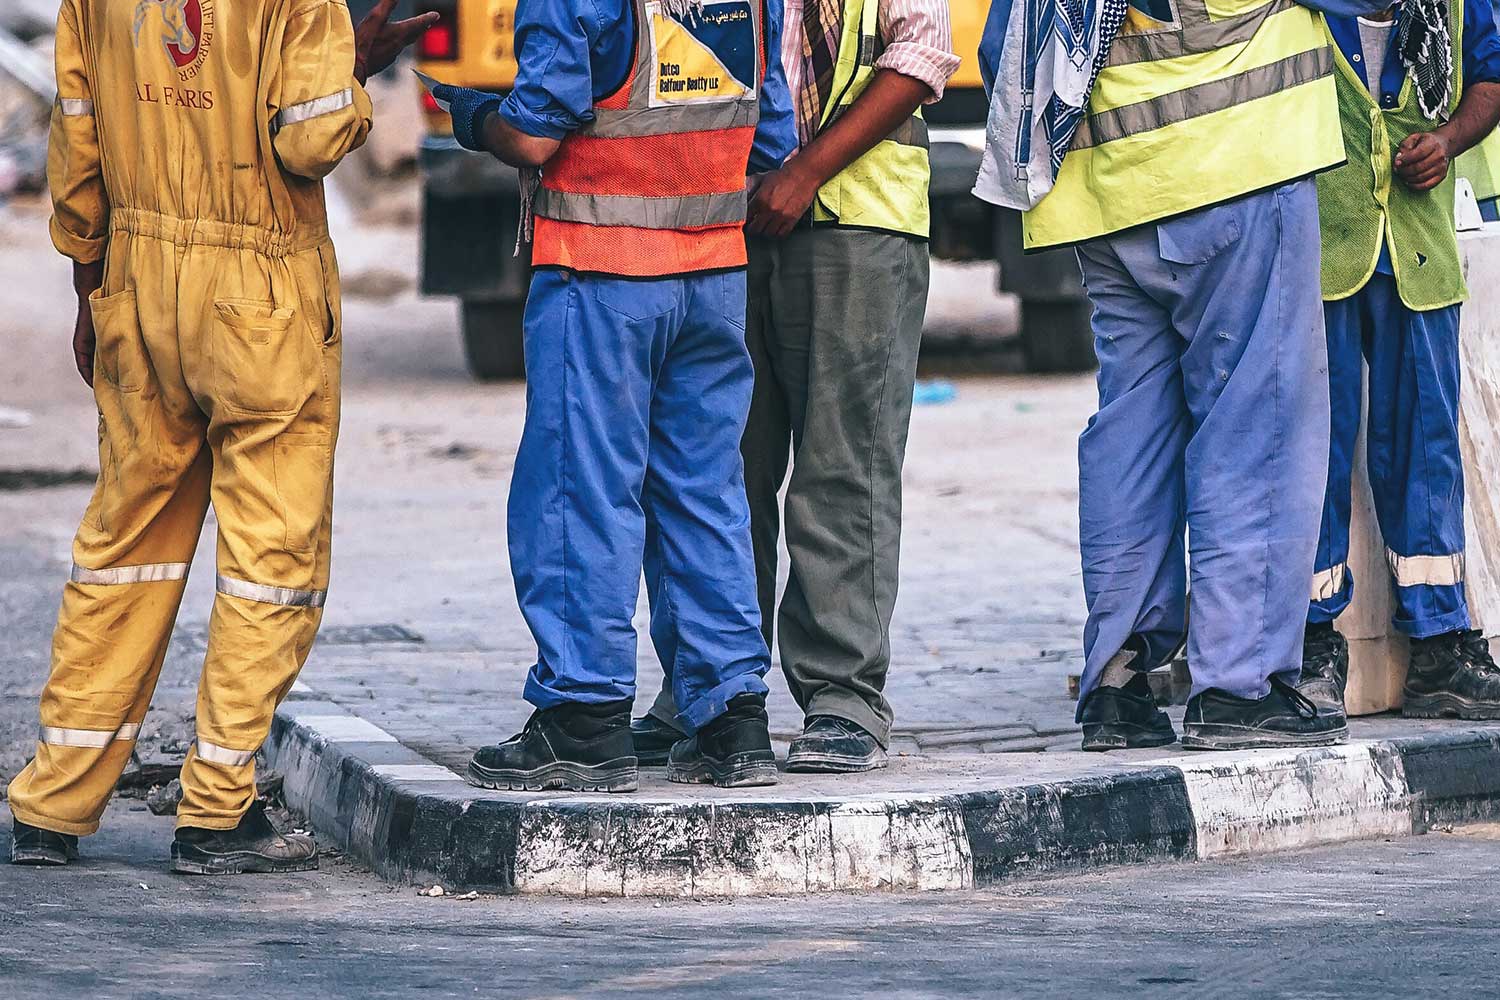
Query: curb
412	820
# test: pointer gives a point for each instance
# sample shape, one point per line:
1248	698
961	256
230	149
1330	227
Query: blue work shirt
1481	59
572	53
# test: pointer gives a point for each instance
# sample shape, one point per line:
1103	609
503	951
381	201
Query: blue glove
468	108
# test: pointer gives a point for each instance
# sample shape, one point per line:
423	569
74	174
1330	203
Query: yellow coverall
187	149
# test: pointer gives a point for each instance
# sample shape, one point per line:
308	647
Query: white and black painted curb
413	820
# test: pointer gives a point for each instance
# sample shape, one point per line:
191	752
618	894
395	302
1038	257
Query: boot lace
1300	703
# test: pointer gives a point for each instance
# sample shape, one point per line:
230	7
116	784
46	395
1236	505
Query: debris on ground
434	892
935	392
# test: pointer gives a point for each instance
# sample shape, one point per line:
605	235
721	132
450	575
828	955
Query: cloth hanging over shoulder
1052	52
1425	44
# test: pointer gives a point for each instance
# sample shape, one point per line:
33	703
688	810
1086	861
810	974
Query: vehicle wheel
493	345
1057	336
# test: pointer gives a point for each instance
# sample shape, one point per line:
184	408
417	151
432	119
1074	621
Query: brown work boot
253	846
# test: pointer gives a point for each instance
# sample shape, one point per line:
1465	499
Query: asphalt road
1412	917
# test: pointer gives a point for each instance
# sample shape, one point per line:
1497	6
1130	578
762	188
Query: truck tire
493	345
1057	336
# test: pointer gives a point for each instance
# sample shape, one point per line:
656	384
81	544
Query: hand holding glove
468	108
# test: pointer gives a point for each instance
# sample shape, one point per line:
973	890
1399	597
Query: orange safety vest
655	184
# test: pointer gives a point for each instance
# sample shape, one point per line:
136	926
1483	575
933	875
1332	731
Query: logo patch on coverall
183	28
704	56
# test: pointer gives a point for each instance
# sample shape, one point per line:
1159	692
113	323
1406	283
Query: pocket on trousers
638	300
302	465
1199	237
119	349
262	360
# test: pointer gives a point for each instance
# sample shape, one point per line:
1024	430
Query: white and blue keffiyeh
1053	50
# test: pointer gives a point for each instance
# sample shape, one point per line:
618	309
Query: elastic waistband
213	233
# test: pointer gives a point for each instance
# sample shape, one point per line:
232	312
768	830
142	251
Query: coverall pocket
119	351
302	466
261	362
1199	237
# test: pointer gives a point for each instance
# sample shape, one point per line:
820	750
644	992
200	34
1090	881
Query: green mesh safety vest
1480	165
1363	202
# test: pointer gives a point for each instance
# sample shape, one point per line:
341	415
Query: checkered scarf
1425	44
1052	53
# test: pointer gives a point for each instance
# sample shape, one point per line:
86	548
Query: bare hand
378	41
83	342
1422	160
779	201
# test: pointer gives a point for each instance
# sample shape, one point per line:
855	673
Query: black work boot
31	845
575	747
731	751
1325	667
832	745
1452	676
1125	717
253	846
1121	713
654	740
1285	717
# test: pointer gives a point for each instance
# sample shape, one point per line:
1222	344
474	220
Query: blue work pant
1212	424
1412	455
637	395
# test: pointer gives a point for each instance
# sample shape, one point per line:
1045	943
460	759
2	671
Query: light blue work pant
636	397
1416	473
1212	422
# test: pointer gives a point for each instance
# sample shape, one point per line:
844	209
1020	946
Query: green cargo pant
833	324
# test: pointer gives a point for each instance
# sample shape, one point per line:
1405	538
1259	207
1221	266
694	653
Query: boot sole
1235	738
832	763
1446	705
618	775
238	863
1111	736
38	857
730	774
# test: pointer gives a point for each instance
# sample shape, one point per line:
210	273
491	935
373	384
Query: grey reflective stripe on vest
76	107
223	756
314	108
143	573
263	594
1098	128
678	212
91	739
1196	32
611	123
912	132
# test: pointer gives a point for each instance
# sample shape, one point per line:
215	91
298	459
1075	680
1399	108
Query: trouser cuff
709	706
1426	628
53	825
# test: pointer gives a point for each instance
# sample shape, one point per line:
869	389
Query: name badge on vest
705	55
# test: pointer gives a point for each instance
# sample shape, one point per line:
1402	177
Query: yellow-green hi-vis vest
1480	166
1227	98
1363	203
887	187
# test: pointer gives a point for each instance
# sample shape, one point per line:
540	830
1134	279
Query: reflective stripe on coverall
1213	420
186	150
1416	471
